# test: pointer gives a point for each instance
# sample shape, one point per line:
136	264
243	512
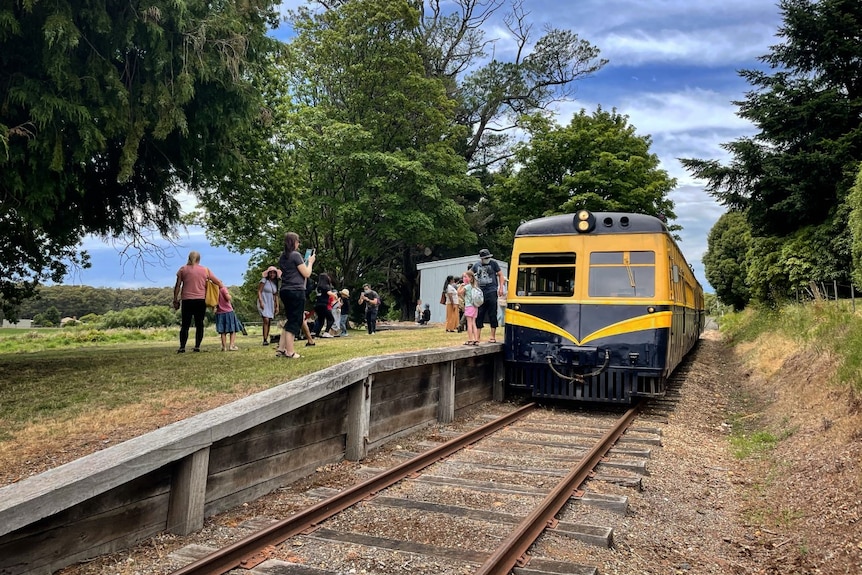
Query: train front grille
612	385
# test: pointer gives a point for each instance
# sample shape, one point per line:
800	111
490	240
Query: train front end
588	316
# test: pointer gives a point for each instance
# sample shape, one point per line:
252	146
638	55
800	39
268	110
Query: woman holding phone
295	271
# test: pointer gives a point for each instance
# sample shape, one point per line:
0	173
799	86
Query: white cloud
712	47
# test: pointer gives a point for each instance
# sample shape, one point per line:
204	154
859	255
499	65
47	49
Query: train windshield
622	274
546	274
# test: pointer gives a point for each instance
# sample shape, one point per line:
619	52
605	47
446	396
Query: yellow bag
212	293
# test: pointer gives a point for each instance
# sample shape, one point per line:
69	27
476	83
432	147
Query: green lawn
50	377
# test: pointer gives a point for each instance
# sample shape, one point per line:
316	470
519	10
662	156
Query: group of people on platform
282	288
473	299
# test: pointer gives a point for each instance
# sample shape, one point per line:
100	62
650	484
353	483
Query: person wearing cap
267	299
344	295
371	300
490	278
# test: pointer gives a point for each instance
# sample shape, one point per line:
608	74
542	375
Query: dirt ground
795	508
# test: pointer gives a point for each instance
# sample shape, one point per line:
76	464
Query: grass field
57	381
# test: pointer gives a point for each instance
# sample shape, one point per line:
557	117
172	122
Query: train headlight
584	221
650	309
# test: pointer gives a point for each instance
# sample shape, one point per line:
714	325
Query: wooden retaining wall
174	477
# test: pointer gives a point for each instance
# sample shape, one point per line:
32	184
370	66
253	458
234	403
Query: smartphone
308	253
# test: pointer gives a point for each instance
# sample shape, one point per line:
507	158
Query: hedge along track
509	554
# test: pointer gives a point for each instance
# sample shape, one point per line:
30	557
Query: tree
108	111
597	162
369	146
494	95
796	171
854	202
379	105
725	260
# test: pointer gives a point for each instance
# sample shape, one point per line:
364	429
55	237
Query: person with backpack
472	293
490	278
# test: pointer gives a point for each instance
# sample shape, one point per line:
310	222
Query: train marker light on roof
584	221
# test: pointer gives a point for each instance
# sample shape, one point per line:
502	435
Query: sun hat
484	253
345	292
272	269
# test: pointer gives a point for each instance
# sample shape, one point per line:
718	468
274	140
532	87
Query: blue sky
672	70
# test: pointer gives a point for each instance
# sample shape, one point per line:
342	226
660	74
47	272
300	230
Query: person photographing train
371	299
490	278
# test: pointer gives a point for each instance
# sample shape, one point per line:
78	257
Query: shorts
471	311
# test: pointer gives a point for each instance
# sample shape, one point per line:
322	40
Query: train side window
546	274
622	274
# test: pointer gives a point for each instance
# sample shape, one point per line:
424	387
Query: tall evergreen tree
807	105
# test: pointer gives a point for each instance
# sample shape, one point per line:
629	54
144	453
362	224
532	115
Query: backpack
478	296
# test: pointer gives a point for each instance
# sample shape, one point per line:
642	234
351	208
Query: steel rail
513	550
241	552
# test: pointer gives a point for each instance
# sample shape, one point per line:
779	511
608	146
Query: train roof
605	223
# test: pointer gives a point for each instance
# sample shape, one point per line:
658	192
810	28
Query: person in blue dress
227	323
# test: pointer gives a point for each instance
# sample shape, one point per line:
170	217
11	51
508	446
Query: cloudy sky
672	70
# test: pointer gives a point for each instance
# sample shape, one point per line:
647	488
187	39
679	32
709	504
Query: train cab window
622	274
547	275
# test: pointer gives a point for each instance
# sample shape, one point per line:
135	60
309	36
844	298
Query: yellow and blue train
601	306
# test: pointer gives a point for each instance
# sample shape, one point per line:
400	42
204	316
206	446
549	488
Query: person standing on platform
190	293
295	270
451	293
372	301
267	299
226	321
344	294
490	278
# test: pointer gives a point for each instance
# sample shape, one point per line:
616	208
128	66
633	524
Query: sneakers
326	334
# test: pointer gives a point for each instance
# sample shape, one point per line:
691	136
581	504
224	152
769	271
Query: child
226	320
470	311
344	295
335	306
426	315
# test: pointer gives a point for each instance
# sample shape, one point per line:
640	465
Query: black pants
371	319
323	316
192	308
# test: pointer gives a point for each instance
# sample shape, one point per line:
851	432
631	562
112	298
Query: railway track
477	503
